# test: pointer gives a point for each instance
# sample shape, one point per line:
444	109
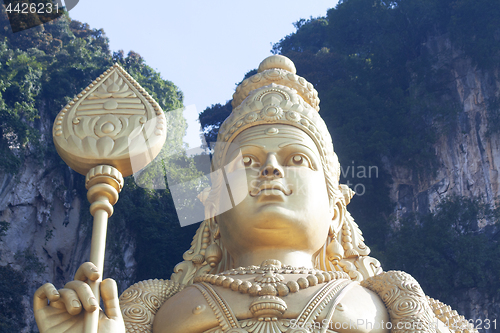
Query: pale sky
203	47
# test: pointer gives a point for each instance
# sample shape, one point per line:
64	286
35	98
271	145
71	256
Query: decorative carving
140	302
278	70
273	325
113	120
223	312
194	259
451	318
277	104
269	283
111	175
268	310
347	192
213	254
405	301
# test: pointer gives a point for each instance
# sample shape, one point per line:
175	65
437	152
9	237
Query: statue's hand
64	313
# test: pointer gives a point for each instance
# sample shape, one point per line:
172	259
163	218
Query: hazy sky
204	47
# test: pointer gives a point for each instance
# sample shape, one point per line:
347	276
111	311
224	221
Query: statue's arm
141	301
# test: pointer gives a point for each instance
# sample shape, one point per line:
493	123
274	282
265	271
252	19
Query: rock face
467	154
468	157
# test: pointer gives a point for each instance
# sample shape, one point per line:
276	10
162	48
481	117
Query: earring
213	253
216	231
334	250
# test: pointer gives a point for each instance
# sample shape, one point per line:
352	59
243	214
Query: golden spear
108	131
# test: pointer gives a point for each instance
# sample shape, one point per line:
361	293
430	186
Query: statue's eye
250	161
299	160
247	161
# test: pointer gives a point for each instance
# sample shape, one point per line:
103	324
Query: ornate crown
276	95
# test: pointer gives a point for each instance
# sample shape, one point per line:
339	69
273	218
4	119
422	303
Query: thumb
109	294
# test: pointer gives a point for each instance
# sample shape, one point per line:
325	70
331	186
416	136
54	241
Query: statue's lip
270	186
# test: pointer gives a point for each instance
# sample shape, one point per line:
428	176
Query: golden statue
287	257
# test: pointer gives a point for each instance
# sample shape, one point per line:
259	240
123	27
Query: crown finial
277	61
279	70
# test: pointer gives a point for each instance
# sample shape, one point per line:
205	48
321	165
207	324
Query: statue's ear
347	193
334	250
203	195
210	208
337	214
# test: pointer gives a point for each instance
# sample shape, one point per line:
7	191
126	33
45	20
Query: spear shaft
103	182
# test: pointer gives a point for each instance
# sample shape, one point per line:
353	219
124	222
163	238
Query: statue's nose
272	169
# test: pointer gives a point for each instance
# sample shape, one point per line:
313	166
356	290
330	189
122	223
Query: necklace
270	281
268	308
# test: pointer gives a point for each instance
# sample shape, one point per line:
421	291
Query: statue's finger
71	301
59	304
109	294
84	293
87	271
47	291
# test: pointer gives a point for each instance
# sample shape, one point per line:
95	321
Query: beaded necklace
269	286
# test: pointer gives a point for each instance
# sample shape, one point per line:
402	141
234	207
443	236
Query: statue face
286	206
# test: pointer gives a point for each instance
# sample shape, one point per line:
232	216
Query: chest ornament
269	287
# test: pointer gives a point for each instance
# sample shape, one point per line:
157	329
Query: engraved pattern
277	76
140	302
256	326
405	301
107	171
268	309
272	103
113	118
320	300
356	261
221	309
454	321
270	282
194	263
284	326
271	324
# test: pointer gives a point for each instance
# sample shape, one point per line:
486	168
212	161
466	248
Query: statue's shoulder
141	301
403	297
409	307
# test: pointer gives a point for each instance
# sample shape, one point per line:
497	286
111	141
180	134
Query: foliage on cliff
12	284
446	251
40	69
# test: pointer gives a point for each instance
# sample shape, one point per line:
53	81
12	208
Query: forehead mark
285	144
285	133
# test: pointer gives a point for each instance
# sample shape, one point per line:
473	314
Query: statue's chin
276	216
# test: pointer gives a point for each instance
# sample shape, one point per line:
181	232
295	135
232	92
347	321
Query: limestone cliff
467	153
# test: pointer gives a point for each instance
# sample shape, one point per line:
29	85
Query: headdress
276	95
